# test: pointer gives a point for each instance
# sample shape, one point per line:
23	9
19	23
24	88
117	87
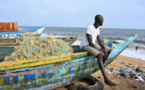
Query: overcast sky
74	13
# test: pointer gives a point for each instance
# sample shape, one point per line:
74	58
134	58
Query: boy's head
99	19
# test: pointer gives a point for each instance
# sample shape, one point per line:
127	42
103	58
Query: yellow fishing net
39	47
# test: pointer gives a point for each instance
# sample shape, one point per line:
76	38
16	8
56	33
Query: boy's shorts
94	51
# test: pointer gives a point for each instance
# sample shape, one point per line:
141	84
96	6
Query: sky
128	14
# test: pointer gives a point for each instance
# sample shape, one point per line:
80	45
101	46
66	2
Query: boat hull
19	33
50	75
53	72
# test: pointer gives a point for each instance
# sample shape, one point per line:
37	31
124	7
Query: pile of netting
39	47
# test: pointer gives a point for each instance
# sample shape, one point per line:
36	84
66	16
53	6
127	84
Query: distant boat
19	33
52	72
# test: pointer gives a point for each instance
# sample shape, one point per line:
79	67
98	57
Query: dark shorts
94	51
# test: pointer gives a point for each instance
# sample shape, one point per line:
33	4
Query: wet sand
123	83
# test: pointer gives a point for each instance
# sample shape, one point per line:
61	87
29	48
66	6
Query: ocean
106	33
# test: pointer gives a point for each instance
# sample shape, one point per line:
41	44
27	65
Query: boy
99	51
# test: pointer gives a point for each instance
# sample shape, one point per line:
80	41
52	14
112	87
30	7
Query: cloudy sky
74	13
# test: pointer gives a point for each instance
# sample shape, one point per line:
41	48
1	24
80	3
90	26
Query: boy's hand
102	53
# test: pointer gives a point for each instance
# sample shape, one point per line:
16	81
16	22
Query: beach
123	83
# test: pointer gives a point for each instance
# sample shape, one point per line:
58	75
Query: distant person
99	51
136	48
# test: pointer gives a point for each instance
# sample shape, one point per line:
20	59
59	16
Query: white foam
44	35
20	29
53	36
130	52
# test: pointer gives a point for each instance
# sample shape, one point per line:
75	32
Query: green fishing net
38	47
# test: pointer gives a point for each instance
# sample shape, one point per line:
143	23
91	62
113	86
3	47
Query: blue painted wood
14	34
57	74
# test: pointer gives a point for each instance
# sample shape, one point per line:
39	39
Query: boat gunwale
42	61
22	31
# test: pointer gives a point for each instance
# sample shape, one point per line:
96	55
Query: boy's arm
101	44
89	37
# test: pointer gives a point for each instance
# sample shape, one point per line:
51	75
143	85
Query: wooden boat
7	45
19	33
10	39
53	72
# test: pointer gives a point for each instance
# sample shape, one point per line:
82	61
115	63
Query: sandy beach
123	83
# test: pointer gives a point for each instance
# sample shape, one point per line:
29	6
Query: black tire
95	84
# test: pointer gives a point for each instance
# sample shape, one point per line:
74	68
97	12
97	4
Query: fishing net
39	47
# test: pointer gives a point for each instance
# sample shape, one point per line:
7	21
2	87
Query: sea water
106	33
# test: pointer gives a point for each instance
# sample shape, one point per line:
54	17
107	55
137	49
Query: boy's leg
101	66
108	53
106	56
98	55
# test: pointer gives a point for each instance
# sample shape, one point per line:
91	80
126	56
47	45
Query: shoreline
132	60
130	52
132	57
123	83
